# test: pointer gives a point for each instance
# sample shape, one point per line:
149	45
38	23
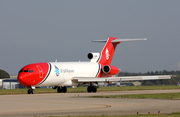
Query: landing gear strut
91	88
61	89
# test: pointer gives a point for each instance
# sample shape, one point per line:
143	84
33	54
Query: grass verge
144	96
84	89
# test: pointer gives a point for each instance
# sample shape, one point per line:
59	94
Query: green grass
144	96
84	89
131	88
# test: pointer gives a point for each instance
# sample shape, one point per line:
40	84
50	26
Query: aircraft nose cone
23	79
33	74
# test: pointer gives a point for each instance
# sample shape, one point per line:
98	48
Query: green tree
4	74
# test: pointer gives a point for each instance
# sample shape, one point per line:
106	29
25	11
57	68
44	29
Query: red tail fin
107	52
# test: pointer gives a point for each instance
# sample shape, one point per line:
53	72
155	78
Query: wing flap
113	79
132	78
89	79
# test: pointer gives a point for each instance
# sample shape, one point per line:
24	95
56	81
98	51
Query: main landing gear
91	88
61	89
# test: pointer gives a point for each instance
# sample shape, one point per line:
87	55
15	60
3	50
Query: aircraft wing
114	79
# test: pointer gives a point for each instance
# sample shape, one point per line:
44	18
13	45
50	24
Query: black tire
29	91
64	89
89	89
59	89
94	89
32	91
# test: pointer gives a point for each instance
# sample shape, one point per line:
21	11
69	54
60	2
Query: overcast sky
45	30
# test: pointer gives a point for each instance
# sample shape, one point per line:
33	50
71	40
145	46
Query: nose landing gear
30	91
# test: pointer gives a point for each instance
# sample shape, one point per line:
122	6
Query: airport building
11	83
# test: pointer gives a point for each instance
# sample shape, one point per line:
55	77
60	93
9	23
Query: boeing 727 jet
62	74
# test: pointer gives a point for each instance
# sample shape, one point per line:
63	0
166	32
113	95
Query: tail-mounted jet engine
110	70
93	57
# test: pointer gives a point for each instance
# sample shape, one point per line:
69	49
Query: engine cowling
110	70
93	57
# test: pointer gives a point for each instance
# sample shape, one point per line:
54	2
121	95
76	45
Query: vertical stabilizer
107	52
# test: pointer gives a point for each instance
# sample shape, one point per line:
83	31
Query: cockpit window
21	70
30	71
27	70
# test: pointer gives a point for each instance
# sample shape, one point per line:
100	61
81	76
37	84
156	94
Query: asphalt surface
64	104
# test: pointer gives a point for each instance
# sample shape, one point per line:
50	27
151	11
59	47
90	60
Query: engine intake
93	57
90	56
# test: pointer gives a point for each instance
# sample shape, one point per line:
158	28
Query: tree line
4	74
173	81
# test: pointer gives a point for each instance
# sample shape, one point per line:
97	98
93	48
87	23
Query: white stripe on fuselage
62	72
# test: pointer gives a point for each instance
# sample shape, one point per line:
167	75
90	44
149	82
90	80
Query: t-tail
107	52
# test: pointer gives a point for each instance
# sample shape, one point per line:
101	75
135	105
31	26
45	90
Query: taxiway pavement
64	104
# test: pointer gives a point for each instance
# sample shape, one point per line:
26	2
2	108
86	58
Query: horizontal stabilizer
126	40
121	40
99	41
114	79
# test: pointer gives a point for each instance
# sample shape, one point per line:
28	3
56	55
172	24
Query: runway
64	104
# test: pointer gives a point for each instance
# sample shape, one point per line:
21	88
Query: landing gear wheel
30	91
61	89
64	89
91	89
94	89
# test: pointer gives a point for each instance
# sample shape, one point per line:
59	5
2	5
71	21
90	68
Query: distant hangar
11	83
